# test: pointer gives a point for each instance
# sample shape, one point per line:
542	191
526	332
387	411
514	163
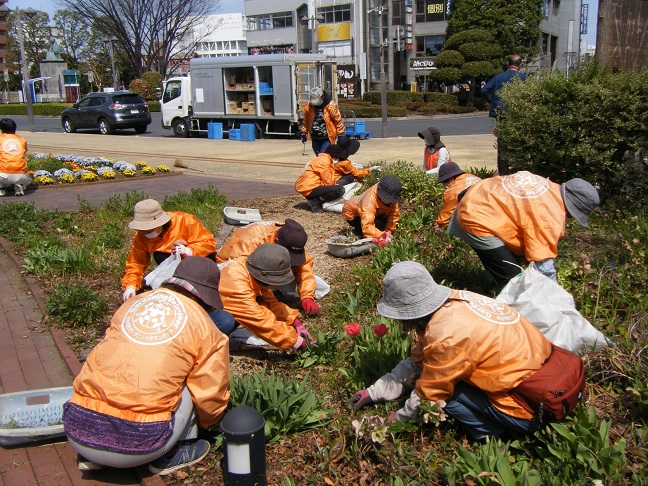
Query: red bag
554	390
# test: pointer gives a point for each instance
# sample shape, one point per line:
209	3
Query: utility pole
112	61
383	79
30	12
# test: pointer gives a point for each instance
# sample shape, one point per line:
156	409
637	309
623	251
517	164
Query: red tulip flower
380	330
352	329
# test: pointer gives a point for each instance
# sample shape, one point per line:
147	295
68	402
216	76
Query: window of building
431	10
282	19
429	45
277	20
335	13
259	22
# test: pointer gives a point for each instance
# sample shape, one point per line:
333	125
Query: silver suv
107	112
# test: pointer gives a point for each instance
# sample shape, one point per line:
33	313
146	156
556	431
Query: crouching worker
472	352
376	211
161	234
455	182
246	289
161	371
292	236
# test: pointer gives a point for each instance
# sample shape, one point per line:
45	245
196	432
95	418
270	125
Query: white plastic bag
551	309
335	206
163	271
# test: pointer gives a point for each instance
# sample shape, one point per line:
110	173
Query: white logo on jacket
489	309
155	319
525	185
11	146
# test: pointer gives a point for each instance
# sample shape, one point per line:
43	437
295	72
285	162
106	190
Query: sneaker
19	190
3	192
84	465
316	205
183	454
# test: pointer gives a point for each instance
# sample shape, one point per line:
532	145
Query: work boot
316	205
184	453
19	190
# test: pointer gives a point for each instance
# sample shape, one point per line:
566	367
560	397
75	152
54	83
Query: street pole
383	80
112	61
25	69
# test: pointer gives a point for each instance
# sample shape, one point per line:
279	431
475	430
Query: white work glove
392	385
410	408
129	292
181	250
376	167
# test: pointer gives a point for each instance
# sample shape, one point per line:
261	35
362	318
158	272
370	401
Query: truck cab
176	105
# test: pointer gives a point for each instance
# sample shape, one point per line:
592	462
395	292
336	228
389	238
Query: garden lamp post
29	12
110	41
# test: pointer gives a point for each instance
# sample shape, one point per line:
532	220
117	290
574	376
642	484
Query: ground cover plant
317	438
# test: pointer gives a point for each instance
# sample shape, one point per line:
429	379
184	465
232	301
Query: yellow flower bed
129	173
67	178
148	170
89	177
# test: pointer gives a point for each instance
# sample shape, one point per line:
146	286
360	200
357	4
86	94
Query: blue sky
230	6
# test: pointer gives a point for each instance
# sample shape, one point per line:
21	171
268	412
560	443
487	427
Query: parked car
107	112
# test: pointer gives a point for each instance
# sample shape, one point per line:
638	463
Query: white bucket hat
410	292
148	215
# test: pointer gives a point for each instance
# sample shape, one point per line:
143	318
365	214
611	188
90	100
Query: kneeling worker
290	235
375	211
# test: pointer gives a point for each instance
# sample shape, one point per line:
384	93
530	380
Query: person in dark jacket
490	91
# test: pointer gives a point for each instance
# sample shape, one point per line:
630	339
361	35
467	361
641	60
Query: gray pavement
270	160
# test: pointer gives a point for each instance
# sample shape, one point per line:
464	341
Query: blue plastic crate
247	132
234	134
215	130
359	126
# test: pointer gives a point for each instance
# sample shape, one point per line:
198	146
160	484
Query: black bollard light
244	442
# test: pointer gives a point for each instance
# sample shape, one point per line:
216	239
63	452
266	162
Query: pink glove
360	399
310	307
301	331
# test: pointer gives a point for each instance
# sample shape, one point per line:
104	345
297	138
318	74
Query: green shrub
76	305
287	404
584	126
64	261
205	204
449	59
440	98
23	224
40	109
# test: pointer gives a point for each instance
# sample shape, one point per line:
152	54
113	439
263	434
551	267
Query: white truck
269	91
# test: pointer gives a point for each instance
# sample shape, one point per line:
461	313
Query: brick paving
33	356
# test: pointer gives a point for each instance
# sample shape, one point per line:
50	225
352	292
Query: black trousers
501	264
328	193
356	223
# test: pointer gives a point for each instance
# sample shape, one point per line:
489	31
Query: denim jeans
224	321
471	407
320	145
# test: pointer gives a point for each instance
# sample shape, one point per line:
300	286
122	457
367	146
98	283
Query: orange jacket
344	167
245	240
460	183
523	210
183	226
12	154
332	118
483	342
270	320
368	206
318	172
157	342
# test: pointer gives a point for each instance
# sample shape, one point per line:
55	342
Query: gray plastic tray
32	415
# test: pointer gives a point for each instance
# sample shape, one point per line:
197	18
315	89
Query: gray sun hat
449	170
389	189
270	264
204	275
432	137
580	199
316	97
410	292
148	215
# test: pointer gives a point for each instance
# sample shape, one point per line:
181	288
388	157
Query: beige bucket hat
148	215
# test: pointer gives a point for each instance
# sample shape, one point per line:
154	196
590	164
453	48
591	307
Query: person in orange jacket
161	370
246	289
520	215
322	120
345	171
12	159
292	236
376	211
160	233
317	182
455	182
435	153
470	353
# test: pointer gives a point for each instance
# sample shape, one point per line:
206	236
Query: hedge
395	96
589	125
51	109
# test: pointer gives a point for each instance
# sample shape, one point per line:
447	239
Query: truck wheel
180	128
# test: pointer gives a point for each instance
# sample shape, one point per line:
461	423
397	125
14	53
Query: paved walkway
33	356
